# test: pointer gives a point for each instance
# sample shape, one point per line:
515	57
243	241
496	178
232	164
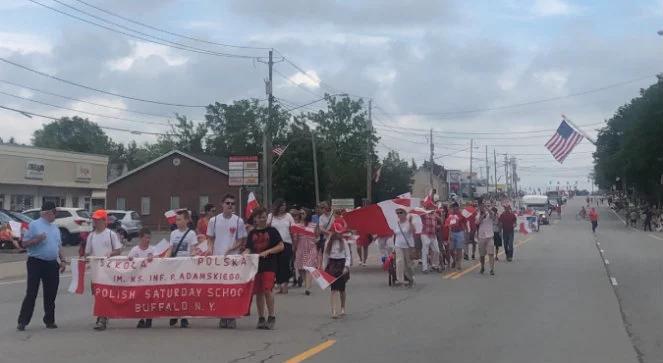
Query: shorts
486	246
457	240
263	282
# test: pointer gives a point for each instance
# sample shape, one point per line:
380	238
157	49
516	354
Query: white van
540	205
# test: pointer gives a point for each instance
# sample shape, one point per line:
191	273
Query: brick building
174	180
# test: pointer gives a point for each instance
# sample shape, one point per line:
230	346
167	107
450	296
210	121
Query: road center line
474	267
311	352
655	236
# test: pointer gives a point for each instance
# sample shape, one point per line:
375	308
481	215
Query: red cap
100	214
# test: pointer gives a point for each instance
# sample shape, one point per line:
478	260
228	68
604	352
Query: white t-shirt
187	243
325	222
282	224
137	252
225	231
102	244
406	238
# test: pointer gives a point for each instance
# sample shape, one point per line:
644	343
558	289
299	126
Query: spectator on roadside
210	211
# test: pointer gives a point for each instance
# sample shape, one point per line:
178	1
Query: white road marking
655	236
614	281
606	262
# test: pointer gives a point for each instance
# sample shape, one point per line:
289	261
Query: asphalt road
554	303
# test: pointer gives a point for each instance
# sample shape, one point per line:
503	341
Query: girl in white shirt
336	262
281	220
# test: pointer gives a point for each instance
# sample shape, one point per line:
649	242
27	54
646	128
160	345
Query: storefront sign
34	169
243	170
83	172
345	204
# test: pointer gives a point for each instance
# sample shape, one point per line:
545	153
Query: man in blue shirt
44	244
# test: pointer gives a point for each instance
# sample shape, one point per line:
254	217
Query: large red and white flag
524	225
302	230
321	277
251	204
381	218
77	285
563	141
428	201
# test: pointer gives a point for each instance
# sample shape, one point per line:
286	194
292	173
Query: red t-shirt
593	216
456	222
508	220
201	228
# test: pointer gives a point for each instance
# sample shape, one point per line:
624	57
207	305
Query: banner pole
579	130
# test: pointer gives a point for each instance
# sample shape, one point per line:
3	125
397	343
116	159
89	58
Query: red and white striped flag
279	150
321	277
77	285
563	141
251	204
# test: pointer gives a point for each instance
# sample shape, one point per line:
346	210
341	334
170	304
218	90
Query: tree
395	178
73	134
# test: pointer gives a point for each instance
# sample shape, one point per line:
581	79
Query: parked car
74	223
129	223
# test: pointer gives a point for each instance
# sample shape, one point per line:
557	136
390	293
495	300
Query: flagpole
579	130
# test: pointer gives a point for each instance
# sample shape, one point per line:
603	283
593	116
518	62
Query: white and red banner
77	285
214	286
321	277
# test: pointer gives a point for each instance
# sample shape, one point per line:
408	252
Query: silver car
129	223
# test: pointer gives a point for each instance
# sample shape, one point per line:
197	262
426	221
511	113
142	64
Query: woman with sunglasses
404	242
282	221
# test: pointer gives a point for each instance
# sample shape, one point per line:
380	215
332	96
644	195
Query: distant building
30	176
421	182
174	180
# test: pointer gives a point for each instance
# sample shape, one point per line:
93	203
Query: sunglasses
229	203
400	212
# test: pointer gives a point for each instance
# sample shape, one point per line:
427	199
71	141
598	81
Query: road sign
345	204
243	170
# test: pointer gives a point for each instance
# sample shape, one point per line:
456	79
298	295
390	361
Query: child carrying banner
102	242
182	241
143	250
265	241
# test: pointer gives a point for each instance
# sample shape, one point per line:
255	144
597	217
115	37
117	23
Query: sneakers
232	324
474	258
466	257
262	323
223	324
101	324
227	324
144	324
271	321
307	292
482	270
51	326
172	322
492	273
184	323
20	327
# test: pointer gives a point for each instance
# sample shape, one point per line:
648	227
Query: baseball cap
100	214
47	206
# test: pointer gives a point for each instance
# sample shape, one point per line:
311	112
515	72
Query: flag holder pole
579	130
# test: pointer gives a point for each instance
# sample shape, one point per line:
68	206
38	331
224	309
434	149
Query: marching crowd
289	243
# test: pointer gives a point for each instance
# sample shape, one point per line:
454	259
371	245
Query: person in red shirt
594	218
508	222
210	211
457	228
471	234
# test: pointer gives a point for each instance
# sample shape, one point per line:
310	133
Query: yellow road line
474	267
655	236
449	275
311	352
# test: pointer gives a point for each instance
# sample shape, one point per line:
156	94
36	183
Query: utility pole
507	185
495	167
514	176
315	169
487	172
267	140
369	166
471	194
432	151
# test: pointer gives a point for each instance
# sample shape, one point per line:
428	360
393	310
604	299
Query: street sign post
243	171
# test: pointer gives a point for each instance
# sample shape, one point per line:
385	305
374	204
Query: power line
299	85
82	101
96	89
80	111
169	32
30	114
528	103
159	41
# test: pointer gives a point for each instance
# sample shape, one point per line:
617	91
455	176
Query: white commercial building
30	176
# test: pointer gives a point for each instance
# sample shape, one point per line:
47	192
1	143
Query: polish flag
251	204
428	201
523	223
468	211
77	285
303	230
171	215
381	218
321	277
162	249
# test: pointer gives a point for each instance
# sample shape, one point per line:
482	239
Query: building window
145	206
74	202
20	202
58	201
121	204
174	202
202	201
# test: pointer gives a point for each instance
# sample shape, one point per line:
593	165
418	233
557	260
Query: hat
100	214
47	206
338	228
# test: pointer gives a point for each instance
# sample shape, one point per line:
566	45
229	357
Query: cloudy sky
484	70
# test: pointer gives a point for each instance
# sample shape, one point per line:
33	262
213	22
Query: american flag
563	141
279	150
